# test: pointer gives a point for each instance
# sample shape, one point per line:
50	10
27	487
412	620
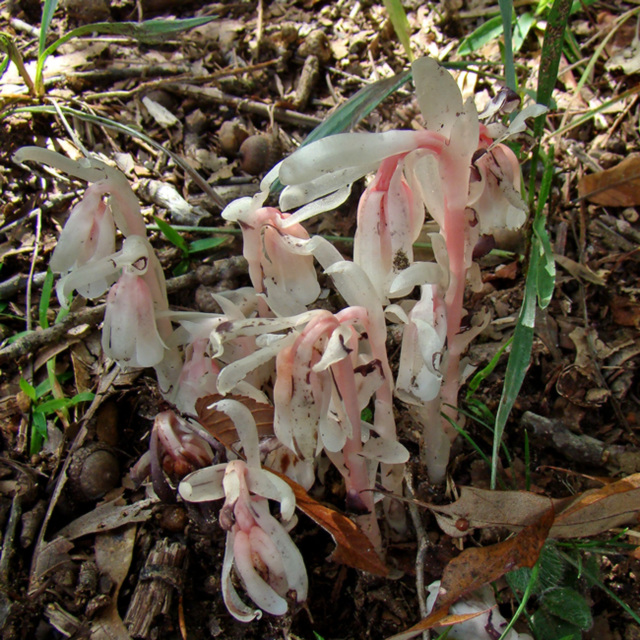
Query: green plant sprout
188	249
47	398
148	31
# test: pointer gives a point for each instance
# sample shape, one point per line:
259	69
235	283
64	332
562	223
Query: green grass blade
148	31
528	592
172	235
400	25
48	9
551	52
519	358
355	109
484	373
45	300
506	11
206	244
523	25
358	107
484	34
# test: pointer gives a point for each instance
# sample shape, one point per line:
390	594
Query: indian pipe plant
269	344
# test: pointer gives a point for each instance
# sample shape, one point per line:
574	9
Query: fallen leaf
587	514
106	517
625	312
615	187
220	425
353	548
579	271
478	566
114	551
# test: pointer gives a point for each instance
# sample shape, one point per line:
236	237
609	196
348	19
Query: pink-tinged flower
289	280
423	341
88	235
130	333
258	546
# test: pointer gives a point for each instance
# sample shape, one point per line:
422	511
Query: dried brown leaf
478	566
587	514
615	187
220	425
353	548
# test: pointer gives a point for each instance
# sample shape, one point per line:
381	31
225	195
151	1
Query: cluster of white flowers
269	344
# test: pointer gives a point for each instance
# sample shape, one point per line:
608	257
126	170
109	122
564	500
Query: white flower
258	546
130	333
487	626
88	235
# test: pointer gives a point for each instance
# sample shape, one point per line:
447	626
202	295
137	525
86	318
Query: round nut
93	472
231	135
259	153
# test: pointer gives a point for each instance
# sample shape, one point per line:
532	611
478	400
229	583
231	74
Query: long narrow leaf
355	109
48	9
519	358
45	300
484	34
506	11
150	30
400	25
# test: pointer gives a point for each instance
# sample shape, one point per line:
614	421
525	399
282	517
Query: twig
215	96
32	268
423	545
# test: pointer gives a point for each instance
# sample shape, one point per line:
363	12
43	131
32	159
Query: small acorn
230	136
259	153
93	472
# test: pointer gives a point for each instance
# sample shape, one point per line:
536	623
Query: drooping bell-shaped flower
88	235
289	280
258	546
130	333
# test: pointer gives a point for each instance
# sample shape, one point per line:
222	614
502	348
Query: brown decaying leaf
220	426
624	311
615	187
477	566
587	514
353	548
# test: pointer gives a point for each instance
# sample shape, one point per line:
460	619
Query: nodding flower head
258	546
288	279
130	332
88	236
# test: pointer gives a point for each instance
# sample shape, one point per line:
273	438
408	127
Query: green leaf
484	34
149	31
206	244
551	52
400	25
519	357
181	268
506	11
547	627
567	604
48	9
56	404
45	300
523	25
28	389
479	377
38	432
172	235
546	276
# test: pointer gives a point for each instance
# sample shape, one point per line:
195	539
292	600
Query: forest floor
276	70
